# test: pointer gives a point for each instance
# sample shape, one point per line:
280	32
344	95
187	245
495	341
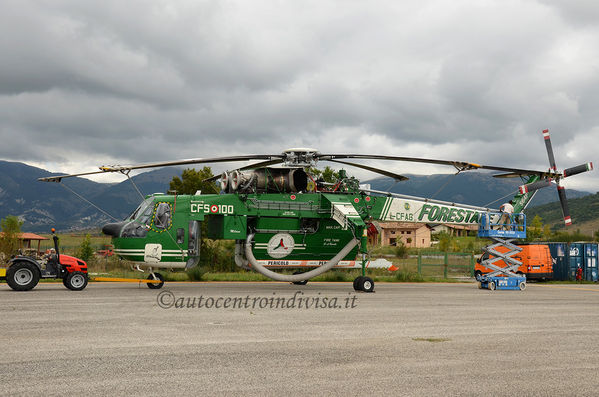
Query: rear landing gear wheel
299	282
157	277
75	281
367	284
357	282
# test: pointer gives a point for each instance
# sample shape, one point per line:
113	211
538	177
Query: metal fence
450	264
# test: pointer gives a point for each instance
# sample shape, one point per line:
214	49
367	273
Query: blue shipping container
576	258
559	256
590	262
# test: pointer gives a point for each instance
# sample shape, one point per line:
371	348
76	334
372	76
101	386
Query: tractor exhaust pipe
55	238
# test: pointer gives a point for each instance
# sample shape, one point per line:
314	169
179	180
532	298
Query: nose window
162	217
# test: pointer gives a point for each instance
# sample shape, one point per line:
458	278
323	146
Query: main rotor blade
248	167
373	169
561	192
58	178
118	168
124	169
507	175
549	150
460	165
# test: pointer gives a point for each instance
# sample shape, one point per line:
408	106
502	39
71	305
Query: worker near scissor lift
507	210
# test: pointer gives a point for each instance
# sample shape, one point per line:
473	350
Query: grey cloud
154	80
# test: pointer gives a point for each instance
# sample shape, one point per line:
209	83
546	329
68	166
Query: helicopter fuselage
288	229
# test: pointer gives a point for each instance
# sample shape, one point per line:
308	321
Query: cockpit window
140	220
144	218
140	210
162	218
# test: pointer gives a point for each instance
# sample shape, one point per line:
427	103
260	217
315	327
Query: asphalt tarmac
404	339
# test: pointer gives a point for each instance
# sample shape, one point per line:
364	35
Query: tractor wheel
366	284
299	282
22	276
159	278
75	281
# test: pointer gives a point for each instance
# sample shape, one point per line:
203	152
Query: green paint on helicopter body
287	228
520	200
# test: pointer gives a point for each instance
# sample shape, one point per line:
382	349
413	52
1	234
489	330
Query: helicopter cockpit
136	224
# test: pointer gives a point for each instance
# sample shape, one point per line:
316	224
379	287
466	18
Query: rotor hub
300	157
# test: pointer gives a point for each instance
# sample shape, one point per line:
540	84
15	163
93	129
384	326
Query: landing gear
157	277
299	282
364	283
356	281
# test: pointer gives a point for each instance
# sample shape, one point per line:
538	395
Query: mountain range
42	205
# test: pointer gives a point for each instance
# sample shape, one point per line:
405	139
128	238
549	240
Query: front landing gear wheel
159	281
363	283
299	282
75	281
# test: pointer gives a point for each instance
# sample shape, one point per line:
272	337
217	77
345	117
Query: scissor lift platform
502	234
491	226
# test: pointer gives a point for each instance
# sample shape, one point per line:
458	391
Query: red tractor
24	272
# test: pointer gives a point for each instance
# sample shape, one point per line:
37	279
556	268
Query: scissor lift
503	234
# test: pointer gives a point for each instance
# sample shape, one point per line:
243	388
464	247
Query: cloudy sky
89	83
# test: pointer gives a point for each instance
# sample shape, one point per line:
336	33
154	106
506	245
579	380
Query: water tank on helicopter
266	180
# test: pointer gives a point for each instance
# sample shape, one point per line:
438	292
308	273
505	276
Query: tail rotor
561	192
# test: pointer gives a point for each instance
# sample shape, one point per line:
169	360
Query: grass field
69	243
589	227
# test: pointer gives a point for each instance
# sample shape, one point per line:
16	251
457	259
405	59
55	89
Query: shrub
401	251
85	251
196	273
11	230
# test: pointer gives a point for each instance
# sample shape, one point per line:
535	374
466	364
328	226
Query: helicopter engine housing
268	180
